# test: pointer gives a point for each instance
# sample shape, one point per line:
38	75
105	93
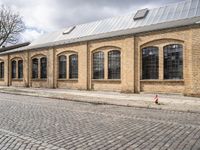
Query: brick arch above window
106	48
38	56
68	52
1	60
16	58
162	42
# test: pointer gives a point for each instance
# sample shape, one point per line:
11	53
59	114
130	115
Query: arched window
35	68
98	65
173	61
62	66
43	68
73	66
14	69
114	64
150	63
2	70
20	69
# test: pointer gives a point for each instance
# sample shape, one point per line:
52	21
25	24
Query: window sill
107	80
68	80
177	80
2	79
17	79
39	80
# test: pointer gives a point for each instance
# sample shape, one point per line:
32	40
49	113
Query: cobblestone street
41	123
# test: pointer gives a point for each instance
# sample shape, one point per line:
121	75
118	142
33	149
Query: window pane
43	69
62	67
35	68
73	66
150	63
114	65
173	61
2	70
13	69
20	69
98	65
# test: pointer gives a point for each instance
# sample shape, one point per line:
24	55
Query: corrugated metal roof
173	15
7	48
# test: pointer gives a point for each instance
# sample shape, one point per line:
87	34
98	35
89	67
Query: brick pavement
41	123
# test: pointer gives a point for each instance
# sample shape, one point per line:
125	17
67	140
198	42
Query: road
41	123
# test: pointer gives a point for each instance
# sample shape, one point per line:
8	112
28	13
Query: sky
42	16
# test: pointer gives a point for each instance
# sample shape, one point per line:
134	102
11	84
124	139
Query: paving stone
33	123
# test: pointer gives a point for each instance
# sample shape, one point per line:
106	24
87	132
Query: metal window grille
173	61
35	68
98	65
14	69
150	63
2	70
62	67
20	69
73	66
114	64
43	68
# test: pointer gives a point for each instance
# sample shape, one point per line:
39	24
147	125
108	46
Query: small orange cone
156	99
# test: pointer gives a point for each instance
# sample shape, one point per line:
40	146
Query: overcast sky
42	16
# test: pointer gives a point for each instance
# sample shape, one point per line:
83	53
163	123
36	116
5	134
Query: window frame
59	67
2	69
14	72
178	62
73	75
153	63
109	58
43	65
101	75
36	76
22	69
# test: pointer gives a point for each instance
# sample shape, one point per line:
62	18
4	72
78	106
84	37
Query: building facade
161	60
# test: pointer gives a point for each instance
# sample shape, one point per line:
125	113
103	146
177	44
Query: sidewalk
167	102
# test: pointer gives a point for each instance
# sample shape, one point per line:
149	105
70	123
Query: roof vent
140	14
69	30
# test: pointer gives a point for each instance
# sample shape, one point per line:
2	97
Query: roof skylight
140	14
69	30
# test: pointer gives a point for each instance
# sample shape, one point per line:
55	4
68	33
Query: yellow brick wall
4	81
161	39
131	71
81	82
193	85
18	82
126	46
43	83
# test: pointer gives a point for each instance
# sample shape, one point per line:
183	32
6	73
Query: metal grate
73	66
173	61
98	65
150	63
2	70
62	66
20	69
14	64
35	68
114	65
43	71
140	14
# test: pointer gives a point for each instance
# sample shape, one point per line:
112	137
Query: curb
35	94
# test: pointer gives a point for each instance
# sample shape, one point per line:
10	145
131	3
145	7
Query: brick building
152	50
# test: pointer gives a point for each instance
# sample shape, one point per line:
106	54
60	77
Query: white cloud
30	35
